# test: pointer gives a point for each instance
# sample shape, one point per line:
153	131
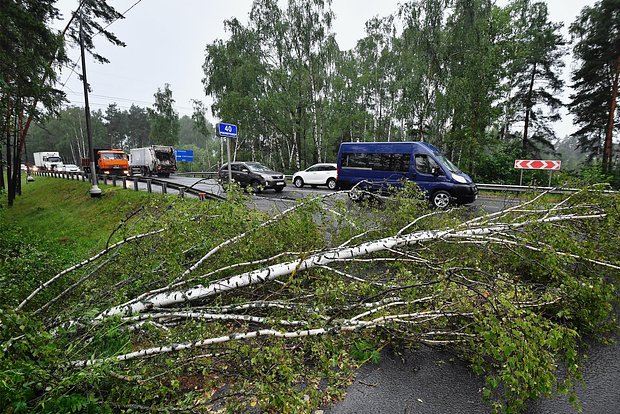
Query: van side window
351	160
425	164
377	162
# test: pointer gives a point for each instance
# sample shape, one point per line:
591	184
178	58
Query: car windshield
453	168
53	159
257	167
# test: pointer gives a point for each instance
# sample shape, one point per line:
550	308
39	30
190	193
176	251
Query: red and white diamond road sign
538	164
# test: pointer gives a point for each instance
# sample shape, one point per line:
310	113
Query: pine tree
536	75
595	81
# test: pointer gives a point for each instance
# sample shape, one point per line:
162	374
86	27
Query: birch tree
212	305
164	118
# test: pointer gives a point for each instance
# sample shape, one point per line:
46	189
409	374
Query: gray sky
166	42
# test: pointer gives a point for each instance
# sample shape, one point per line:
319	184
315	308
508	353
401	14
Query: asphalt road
269	199
431	381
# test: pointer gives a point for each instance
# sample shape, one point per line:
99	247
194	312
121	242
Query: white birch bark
349	325
320	259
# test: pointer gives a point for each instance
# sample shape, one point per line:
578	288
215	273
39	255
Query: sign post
551	165
229	131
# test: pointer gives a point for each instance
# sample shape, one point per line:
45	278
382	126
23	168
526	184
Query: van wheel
331	183
299	182
355	194
441	199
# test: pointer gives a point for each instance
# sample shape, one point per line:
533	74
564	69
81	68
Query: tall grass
65	216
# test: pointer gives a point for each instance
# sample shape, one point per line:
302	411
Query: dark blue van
376	166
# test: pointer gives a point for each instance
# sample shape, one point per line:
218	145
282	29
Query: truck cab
109	162
48	161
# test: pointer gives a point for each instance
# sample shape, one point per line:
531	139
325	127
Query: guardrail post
114	181
148	186
181	193
164	188
135	184
124	182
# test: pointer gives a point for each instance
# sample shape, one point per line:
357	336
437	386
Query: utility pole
608	147
95	191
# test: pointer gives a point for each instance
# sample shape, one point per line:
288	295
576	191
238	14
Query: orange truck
108	161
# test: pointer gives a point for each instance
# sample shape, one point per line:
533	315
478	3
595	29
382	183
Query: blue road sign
226	130
184	155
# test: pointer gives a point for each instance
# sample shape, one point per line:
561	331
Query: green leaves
164	118
515	302
597	49
363	351
522	351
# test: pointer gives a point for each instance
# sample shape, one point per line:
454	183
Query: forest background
481	81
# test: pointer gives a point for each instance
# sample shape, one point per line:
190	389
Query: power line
131	100
96	34
181	110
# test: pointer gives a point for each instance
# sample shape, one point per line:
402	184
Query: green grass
66	216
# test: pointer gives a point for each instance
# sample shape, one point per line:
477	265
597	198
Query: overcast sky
166	44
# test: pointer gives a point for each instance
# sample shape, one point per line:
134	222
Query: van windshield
442	158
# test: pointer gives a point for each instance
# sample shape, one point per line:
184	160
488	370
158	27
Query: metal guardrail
116	180
201	174
213	174
165	185
525	188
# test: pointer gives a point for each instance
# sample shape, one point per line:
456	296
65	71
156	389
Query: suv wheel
299	182
256	187
331	183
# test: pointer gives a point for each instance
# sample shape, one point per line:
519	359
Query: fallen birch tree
235	309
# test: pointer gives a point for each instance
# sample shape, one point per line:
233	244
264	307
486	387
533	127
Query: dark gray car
252	175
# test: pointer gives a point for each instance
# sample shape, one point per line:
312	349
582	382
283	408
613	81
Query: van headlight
459	179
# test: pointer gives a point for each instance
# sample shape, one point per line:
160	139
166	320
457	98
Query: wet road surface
430	381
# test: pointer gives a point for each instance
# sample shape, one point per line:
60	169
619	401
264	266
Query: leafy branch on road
229	308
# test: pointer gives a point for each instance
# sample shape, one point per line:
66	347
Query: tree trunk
7	128
528	109
11	185
608	148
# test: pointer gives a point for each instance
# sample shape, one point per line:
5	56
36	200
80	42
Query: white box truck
48	161
156	159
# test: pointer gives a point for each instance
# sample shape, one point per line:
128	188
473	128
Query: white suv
318	174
